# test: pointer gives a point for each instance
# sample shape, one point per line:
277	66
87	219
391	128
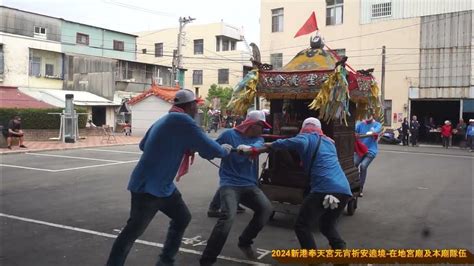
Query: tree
223	93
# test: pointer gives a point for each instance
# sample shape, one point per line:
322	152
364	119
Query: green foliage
223	93
38	118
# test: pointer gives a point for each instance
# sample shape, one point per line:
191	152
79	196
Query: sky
143	15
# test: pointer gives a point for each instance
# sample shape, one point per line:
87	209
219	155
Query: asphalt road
65	207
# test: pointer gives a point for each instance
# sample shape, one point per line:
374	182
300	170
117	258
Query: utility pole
382	80
177	56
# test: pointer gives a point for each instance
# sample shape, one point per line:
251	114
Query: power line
138	8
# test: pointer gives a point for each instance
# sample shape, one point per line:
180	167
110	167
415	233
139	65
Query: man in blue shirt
238	183
166	147
372	128
470	135
329	188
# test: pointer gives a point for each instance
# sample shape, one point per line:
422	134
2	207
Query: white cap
471	120
258	115
447	122
312	121
184	96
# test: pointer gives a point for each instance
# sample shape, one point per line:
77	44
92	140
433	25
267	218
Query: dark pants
143	208
405	137
445	141
470	142
313	213
414	138
251	197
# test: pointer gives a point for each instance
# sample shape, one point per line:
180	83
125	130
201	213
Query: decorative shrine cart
314	83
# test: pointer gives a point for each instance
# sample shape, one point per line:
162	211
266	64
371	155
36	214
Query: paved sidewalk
92	141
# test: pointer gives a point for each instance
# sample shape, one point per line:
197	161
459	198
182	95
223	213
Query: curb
65	148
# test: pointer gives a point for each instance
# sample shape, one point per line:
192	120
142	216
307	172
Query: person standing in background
405	132
414	130
446	133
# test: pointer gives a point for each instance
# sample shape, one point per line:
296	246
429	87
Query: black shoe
248	252
23	146
9	147
240	209
214	213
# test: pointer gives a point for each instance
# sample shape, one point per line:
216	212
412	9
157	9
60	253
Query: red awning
11	97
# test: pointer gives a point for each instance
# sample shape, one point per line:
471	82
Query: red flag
309	26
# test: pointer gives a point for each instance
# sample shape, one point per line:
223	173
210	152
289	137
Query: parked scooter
388	137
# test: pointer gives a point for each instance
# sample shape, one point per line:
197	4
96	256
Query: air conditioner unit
159	81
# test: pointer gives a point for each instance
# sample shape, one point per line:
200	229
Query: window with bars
382	10
49	70
225	45
197	77
276	60
35	66
159	49
199	46
277	20
334	12
82	38
223	76
118	45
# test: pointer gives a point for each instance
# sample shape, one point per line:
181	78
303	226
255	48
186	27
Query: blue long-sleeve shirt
470	130
371	143
238	170
163	149
327	175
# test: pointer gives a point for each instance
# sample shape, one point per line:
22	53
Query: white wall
146	112
402	9
16	51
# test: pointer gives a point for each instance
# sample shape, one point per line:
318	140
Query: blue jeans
313	213
251	197
363	163
216	201
143	208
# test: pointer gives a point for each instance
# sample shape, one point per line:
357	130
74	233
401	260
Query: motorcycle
388	137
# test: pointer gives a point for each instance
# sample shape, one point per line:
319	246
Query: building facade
210	54
415	35
43	52
30	50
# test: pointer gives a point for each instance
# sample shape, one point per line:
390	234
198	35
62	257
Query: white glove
227	147
244	148
330	202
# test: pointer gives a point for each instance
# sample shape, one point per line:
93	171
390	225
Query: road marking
93	166
114	151
72	157
67	169
148	243
429	154
28	168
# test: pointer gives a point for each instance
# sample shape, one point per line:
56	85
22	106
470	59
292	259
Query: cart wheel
272	216
351	207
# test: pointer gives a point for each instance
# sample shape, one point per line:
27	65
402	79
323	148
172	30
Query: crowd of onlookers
462	133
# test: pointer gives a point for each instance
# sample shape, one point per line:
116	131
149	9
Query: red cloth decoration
360	148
